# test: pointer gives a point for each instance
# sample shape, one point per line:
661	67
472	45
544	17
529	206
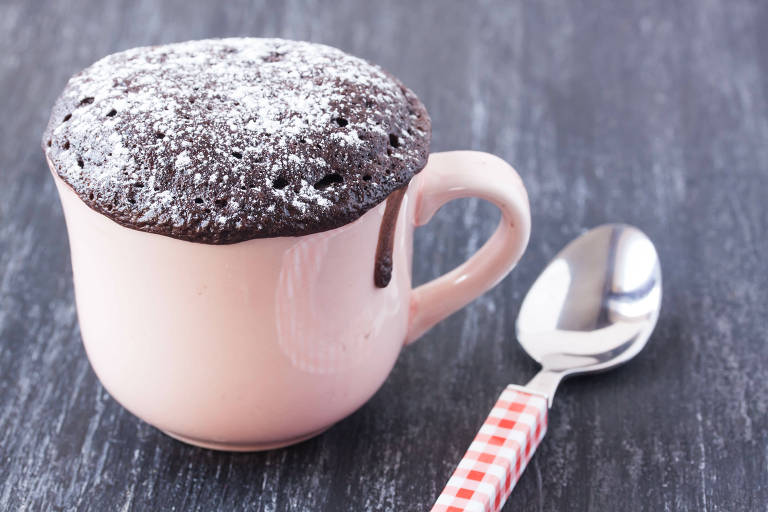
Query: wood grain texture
653	113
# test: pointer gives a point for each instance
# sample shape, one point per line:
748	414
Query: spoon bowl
595	305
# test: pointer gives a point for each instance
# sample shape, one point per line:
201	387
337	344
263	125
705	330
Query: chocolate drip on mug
382	269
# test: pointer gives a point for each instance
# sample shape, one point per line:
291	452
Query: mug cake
241	215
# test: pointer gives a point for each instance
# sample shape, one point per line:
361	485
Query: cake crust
221	141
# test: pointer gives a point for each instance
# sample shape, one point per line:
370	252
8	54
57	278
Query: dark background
652	113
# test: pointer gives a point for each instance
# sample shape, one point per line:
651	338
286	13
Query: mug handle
453	175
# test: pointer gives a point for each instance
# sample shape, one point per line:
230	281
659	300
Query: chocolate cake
221	141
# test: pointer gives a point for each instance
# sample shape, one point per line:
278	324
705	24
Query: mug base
237	447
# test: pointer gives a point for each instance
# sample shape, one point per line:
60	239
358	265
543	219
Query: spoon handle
498	455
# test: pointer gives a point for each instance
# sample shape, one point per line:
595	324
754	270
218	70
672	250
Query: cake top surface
220	141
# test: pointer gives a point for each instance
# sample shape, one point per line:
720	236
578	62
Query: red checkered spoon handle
498	455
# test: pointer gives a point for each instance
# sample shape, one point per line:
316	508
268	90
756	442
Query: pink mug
268	342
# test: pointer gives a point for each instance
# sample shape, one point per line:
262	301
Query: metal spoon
593	308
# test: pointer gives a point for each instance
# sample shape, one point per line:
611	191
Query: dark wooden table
653	113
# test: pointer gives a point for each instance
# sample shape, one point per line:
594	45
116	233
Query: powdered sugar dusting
223	140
